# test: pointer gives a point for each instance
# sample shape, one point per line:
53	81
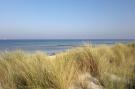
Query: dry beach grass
109	67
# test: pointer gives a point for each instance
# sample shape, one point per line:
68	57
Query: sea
53	46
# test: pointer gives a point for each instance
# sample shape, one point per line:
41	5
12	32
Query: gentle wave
51	46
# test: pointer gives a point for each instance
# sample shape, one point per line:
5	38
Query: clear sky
67	19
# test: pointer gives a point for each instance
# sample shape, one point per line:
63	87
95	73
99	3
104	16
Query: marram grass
113	66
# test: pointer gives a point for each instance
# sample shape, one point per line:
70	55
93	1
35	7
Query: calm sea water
51	46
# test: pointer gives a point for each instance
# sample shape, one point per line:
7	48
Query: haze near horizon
67	19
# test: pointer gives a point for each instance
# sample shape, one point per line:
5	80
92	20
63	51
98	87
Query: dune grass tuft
113	66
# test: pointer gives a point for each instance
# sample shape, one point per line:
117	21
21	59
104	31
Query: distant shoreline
65	39
54	46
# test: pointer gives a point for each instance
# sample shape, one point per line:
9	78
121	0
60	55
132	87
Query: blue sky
67	19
